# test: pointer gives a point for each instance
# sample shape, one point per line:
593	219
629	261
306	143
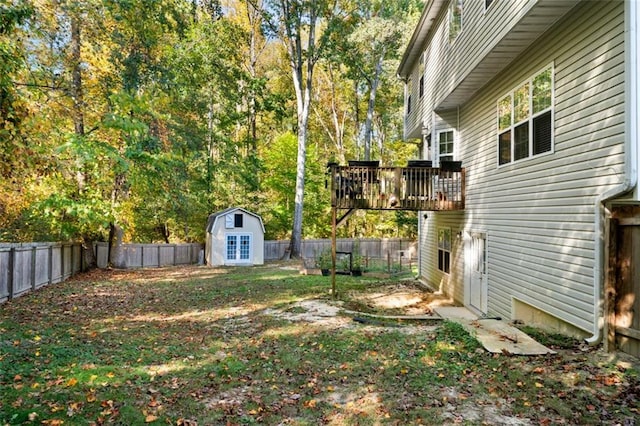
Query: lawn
203	346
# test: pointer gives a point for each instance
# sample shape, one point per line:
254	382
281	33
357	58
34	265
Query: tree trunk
88	253
116	251
368	125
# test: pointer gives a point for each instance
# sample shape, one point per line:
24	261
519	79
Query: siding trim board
543	214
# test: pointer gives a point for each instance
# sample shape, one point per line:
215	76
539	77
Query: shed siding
217	238
539	213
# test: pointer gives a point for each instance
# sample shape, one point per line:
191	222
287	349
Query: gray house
539	101
235	236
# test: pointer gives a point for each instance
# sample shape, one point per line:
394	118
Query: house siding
539	213
448	63
438	280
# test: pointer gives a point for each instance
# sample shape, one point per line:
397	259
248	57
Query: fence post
158	247
141	256
33	268
50	264
12	262
61	262
175	254
72	259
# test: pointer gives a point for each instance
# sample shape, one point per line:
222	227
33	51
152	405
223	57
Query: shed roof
214	216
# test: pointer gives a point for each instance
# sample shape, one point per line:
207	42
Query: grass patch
552	340
198	344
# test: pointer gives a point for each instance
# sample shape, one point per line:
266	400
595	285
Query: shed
235	236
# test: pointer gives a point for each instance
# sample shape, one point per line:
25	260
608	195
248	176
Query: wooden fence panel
377	248
22	271
151	255
102	254
183	254
56	264
29	266
67	256
166	255
77	258
42	266
5	258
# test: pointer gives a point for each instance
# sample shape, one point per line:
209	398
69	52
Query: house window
445	145
525	119
237	220
455	19
409	105
444	250
487	3
421	72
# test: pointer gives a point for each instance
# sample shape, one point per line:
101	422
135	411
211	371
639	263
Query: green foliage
185	108
324	259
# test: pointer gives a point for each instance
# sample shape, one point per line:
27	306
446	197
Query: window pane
542	91
238	220
542	133
231	247
455	19
445	144
447	262
521	141
504	113
504	149
521	104
245	247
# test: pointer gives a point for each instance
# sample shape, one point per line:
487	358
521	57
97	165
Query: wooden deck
396	188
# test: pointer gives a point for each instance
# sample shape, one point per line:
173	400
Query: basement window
444	250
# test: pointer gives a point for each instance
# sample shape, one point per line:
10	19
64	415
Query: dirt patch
405	298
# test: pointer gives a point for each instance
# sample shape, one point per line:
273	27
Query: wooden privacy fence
151	255
376	248
28	266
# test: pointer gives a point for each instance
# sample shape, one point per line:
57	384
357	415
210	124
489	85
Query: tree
369	44
303	26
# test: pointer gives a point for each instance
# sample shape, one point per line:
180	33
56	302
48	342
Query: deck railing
397	188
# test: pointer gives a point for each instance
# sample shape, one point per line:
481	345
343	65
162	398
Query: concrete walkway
495	335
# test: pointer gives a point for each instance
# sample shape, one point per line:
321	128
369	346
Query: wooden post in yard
333	250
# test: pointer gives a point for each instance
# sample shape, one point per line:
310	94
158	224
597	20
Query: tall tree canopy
136	119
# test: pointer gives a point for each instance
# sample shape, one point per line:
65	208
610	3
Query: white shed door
238	248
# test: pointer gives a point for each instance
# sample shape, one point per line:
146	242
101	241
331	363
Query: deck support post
334	225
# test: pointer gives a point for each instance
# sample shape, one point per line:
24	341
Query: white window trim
530	119
238	235
444	250
437	144
449	18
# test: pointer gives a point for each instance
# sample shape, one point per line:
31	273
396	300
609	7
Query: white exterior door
477	272
238	248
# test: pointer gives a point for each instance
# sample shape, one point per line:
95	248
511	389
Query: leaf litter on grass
196	345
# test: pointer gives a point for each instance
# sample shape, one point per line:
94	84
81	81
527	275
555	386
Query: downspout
632	67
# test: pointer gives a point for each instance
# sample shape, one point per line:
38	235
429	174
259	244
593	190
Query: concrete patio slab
495	335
